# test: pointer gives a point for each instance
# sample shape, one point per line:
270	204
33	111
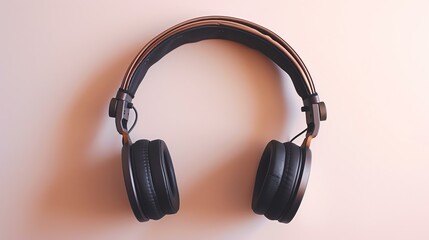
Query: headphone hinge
315	111
119	108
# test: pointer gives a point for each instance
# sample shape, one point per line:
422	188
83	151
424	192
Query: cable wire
299	134
135	119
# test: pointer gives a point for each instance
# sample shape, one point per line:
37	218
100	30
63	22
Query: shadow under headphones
284	168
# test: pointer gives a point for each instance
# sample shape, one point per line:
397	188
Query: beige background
216	104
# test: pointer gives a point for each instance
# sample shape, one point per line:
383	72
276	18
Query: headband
227	28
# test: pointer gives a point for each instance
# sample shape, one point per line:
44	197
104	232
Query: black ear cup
163	176
154	178
282	192
268	176
285	194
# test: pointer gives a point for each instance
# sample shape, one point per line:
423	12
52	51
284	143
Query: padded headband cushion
200	33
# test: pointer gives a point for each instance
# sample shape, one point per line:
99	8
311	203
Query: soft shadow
87	189
222	198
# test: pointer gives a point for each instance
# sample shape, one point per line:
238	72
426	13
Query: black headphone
284	168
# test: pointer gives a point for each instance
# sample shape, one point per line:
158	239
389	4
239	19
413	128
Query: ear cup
163	176
284	197
143	179
298	193
268	176
130	184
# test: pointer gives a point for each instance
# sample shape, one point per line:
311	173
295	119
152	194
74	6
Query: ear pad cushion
143	180
284	196
164	179
268	176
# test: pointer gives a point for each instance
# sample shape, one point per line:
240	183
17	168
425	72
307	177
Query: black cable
299	134
135	119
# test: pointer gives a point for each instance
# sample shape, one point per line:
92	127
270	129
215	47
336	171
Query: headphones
284	168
